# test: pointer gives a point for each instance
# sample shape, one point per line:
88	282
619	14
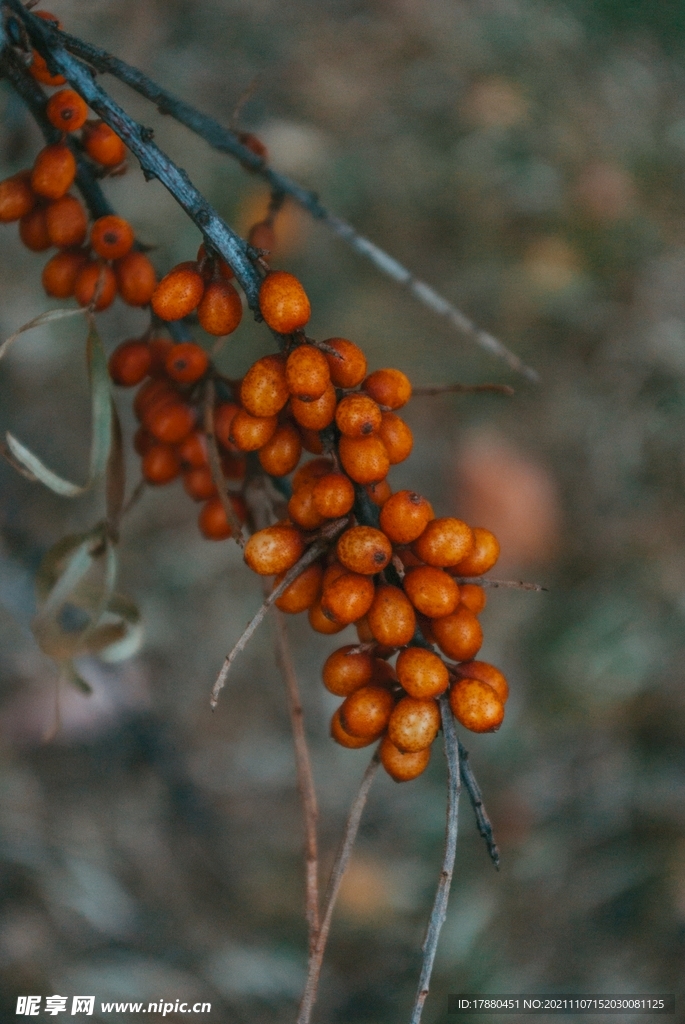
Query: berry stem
439	912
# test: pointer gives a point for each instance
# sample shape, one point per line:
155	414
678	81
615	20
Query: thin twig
227	141
215	465
476	798
333	888
305	778
461	389
318	547
485	581
439	911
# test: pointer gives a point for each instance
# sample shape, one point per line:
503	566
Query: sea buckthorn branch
485	581
228	141
154	162
462	389
476	798
439	912
333	888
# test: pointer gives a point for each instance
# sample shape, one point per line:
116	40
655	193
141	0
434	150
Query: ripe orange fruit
282	451
364	459
403	767
431	591
348	368
459	635
249	433
357	416
136	278
60	273
16	197
160	464
186	362
404	516
39	69
487	674
264	391
391	388
347	598
306	373
302	510
95	283
66	110
102	144
312	470
66	222
473	597
130	363
345	739
364	549
283	302
366	712
178	293
212	519
422	673
170	421
33	229
317	414
302	592
414	724
476	705
193	450
344	672
379	492
321	623
220	310
391	618
396	436
444	542
111	237
274	549
333	495
482	556
54	170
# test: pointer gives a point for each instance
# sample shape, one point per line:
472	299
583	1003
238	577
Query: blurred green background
527	159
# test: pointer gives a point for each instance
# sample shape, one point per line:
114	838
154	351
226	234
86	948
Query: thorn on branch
475	796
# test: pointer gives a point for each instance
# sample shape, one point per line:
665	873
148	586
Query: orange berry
152	392
487	674
391	388
249	433
47	16
66	221
396	436
60	273
136	278
264	391
444	542
130	363
403	767
302	510
363	631
333	495
379	492
220	310
95	279
178	293
193	451
366	712
102	144
473	597
364	458
391	617
39	69
311	441
170	421
347	598
476	705
414	724
281	453
306	373
262	236
160	464
422	673
343	672
199	483
318	414
234	467
364	549
333	571
357	415
302	592
54	170
254	144
482	556
16	197
344	738
312	470
348	368
66	110
274	549
383	673
431	591
214	262
143	441
160	349
186	362
212	519
404	516
224	415
33	230
111	237
320	623
283	302
459	635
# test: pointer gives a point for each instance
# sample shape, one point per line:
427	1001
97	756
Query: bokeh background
526	158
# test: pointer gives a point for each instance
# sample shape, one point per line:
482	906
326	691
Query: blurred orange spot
495	103
604	191
365	891
291	226
511	494
550	264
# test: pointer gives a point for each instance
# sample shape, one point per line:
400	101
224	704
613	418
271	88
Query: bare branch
305	778
215	465
485	581
461	389
439	911
476	798
330	531
333	888
227	141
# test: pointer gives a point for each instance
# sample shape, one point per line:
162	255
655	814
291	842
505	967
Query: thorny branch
476	798
439	912
333	888
227	141
461	389
485	581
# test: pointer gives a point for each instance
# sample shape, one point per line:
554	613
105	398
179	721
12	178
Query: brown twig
439	911
461	389
215	465
485	581
305	778
476	798
333	888
318	547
